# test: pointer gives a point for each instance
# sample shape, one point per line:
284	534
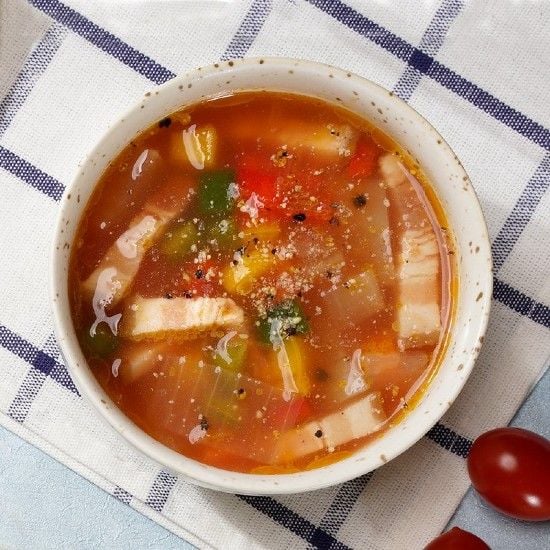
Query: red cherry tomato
457	539
510	469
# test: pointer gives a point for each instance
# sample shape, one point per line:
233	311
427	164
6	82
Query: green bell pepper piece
102	344
214	193
292	320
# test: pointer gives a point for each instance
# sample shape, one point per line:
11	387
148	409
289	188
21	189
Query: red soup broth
262	282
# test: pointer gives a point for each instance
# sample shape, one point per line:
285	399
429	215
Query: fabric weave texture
478	71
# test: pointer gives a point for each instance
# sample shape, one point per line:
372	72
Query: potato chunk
357	298
326	142
184	318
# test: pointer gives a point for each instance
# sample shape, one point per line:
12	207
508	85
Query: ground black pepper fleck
334	221
168	295
300	217
165	122
318	433
321	375
204	423
199	274
360	201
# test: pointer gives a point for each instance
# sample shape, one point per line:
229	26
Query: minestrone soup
262	282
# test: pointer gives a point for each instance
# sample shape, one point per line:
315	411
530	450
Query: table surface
45	505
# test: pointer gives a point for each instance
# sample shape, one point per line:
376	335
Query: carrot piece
364	162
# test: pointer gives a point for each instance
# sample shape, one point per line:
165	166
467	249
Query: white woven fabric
477	71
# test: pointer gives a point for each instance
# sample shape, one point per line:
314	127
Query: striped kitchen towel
478	71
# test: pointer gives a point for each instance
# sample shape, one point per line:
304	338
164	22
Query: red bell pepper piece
363	162
291	414
255	174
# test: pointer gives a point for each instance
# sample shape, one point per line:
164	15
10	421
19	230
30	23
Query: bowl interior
410	130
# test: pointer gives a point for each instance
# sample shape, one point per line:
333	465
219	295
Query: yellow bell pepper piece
297	359
291	362
264	232
195	146
240	278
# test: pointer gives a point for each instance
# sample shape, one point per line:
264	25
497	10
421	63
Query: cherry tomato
510	469
457	539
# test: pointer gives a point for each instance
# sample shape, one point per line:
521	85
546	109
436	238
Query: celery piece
178	240
235	351
223	232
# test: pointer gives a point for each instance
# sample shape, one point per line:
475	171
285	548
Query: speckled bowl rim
473	259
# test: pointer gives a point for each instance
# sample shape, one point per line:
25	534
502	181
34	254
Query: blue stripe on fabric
248	30
33	68
489	104
430	43
343	503
366	27
38	359
520	302
122	495
104	40
521	214
438	72
450	440
160	490
30	174
279	513
28	390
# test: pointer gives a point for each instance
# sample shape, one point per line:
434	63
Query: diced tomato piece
255	174
283	192
363	162
198	285
291	414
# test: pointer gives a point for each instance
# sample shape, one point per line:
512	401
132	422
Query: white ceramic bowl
473	256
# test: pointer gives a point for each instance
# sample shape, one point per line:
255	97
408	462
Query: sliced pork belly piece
184	318
122	260
418	314
358	419
418	261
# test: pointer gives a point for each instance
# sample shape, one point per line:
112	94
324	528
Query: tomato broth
262	282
